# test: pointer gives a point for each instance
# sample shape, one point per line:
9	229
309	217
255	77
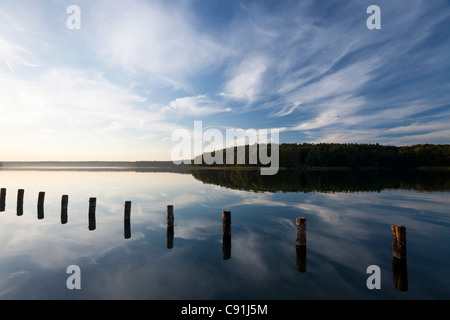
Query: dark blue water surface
347	231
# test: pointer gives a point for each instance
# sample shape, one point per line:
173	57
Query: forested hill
364	155
358	155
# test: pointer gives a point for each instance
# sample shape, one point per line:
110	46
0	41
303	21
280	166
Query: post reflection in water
170	234
226	238
300	244
127	228
338	256
400	272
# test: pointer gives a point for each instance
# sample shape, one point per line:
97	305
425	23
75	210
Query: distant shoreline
155	166
87	163
135	166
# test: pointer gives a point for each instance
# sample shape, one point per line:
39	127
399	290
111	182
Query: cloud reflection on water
346	232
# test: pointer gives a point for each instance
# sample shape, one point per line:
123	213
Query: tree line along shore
292	155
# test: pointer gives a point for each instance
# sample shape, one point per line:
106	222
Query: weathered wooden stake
92	205
127	220
226	238
20	194
2	199
398	241
127	211
170	226
301	231
40	205
170	217
226	222
64	204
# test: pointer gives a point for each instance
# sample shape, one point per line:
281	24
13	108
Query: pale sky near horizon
137	70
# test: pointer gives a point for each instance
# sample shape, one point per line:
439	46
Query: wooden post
127	220
127	211
64	204
226	238
398	241
41	205
300	244
92	205
226	222
170	217
2	199
301	231
20	194
170	226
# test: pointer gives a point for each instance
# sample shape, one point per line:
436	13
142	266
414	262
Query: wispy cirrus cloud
155	38
371	81
245	83
194	106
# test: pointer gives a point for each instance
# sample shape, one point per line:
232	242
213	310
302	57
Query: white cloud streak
194	106
246	81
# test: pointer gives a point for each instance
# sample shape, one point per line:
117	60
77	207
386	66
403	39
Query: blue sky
136	71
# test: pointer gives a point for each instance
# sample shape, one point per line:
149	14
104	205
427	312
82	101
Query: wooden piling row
64	209
400	280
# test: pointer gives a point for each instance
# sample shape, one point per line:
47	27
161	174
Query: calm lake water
349	222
